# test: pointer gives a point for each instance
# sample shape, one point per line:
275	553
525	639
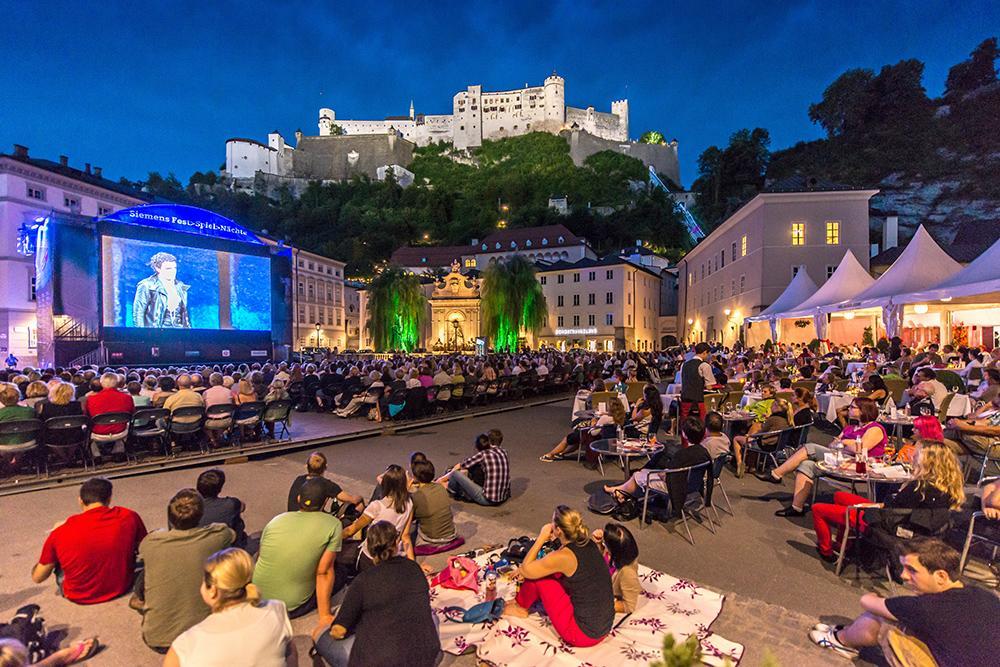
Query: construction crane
694	229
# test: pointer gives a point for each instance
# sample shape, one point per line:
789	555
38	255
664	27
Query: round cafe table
632	449
732	418
888	475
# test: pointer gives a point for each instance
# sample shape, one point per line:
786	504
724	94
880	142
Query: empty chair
67	438
148	425
275	414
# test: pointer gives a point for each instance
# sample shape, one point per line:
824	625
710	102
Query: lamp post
317	334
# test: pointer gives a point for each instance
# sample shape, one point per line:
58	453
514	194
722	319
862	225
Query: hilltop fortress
478	115
347	147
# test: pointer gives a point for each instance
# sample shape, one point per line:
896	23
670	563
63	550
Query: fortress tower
555	99
620	109
326	119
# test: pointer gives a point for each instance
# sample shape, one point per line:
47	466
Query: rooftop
608	260
429	256
90	177
544	236
799	183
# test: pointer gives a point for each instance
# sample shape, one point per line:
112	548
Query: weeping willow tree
511	301
396	310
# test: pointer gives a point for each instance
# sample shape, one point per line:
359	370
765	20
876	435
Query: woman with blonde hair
35	393
242	629
572	582
936	485
14	654
245	392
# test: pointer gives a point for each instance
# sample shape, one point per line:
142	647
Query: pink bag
460	573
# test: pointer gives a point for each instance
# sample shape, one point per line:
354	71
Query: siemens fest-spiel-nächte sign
590	331
188	219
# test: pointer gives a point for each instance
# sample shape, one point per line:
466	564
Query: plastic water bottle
621	435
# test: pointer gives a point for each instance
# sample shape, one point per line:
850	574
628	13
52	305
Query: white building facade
30	189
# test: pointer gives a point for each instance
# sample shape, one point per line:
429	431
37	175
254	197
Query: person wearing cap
297	554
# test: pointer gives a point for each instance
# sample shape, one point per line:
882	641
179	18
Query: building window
733	287
103	210
559	321
576	277
609	274
797	268
830	268
71	202
690	279
312	267
543	280
722	259
609	319
702	271
31	288
591	320
591	299
35	192
592	275
735	256
832	232
798	233
576	299
559	300
743	246
629	295
302	289
576	320
312	291
560	279
743	283
302	313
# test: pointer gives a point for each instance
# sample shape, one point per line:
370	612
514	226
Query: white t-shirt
241	635
382	510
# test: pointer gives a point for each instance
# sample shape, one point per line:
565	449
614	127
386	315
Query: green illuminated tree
511	302
652	137
396	310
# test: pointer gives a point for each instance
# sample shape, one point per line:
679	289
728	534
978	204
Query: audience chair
74	432
247	416
110	419
148	424
951	380
714	401
993	531
718	465
691	506
186	423
219	419
27	430
896	389
277	413
942	414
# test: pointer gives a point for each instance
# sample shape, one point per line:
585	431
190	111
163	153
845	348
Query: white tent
921	265
847	281
981	277
801	288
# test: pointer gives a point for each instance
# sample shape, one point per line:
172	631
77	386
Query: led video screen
159	286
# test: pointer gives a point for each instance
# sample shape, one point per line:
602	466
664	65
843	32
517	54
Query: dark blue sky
161	87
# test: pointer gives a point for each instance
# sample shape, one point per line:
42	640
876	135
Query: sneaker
828	639
790	512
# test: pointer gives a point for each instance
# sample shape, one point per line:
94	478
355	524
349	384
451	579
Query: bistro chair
692	504
991	536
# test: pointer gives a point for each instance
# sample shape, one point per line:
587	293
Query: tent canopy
849	279
921	265
801	288
980	277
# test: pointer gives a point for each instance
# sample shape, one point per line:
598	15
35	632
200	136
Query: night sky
160	87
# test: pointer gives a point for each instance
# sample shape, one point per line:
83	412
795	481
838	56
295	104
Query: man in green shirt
297	554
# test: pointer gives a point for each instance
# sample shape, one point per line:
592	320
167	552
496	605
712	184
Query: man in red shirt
92	553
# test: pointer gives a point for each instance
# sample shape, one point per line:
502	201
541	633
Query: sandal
546	458
83	650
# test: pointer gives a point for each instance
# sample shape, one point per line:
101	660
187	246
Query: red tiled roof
429	256
536	235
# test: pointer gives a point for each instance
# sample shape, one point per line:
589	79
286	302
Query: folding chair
277	413
184	423
148	424
219	419
110	419
971	537
68	437
247	415
27	431
690	506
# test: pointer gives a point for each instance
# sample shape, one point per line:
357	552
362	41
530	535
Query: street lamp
317	334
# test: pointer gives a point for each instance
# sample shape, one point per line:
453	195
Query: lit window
798	233
743	246
832	232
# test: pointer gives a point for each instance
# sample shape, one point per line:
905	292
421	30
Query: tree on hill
728	177
978	71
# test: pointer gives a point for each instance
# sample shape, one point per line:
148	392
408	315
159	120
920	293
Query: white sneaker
828	639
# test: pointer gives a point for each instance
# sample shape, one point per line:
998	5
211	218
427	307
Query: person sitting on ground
776	421
297	554
395	506
674	485
227	511
316	469
92	552
433	521
172	561
493	460
15	654
716	442
976	436
251	633
391	595
945	623
936	485
572	583
868	436
615	416
622	552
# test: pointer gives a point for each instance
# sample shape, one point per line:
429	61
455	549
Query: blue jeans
460	485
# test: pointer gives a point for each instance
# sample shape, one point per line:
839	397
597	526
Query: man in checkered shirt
492	458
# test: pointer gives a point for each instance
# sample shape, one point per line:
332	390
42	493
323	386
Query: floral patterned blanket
666	605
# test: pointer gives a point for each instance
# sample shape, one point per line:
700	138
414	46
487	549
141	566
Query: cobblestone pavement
775	587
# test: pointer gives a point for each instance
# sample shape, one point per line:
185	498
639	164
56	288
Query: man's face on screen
167	271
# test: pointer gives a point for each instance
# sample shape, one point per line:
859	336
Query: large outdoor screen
159	286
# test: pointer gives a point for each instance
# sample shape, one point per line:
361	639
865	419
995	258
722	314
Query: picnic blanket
667	605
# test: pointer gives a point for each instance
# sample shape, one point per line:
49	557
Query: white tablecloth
961	405
854	366
830	402
749	399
